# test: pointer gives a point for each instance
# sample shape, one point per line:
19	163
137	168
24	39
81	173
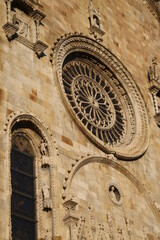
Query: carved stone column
70	218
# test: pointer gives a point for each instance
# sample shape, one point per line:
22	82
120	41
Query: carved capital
70	205
37	15
70	217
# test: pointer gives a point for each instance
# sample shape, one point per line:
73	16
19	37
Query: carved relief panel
154	88
95	22
23	24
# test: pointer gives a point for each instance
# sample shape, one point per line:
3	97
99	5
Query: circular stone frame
115	201
136	141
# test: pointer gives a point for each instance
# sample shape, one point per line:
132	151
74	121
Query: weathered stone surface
78	169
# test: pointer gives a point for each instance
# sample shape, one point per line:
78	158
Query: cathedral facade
80	120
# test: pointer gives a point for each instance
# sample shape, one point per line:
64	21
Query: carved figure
22	25
153	73
112	193
43	148
47	201
96	21
46	191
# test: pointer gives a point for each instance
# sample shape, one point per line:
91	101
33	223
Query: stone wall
29	84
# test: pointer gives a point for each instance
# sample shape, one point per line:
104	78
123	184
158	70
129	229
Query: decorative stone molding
39	48
154	88
128	228
115	194
80	162
10	30
94	21
23	24
71	219
110	225
153	7
132	138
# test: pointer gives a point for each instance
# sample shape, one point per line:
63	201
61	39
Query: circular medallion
102	96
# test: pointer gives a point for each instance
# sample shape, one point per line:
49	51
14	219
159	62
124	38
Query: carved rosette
102	96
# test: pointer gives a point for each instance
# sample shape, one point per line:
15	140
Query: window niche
24	23
154	88
31	177
95	22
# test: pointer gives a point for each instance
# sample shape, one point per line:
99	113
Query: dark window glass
23	193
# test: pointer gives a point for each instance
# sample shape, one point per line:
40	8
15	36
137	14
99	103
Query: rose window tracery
94	100
101	95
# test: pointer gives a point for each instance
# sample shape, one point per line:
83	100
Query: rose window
101	95
94	101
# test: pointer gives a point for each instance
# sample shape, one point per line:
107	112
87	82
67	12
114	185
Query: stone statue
43	148
47	201
112	193
46	191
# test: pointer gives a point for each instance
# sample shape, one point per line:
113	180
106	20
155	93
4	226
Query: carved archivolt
26	124
101	95
109	160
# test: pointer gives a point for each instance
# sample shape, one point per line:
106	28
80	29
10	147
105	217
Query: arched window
23	212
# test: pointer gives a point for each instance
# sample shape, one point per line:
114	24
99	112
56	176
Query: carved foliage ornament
102	96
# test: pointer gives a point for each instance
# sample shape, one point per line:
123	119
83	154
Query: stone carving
92	102
154	7
71	218
23	24
22	21
43	148
94	21
130	140
115	195
120	234
48	235
145	233
110	226
153	73
10	30
128	228
154	88
14	120
47	201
